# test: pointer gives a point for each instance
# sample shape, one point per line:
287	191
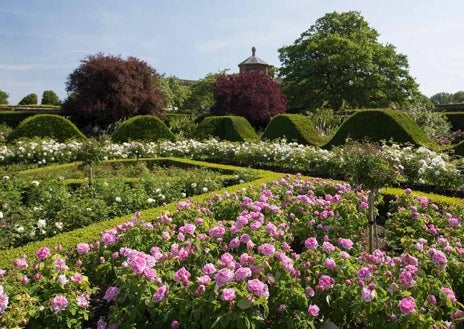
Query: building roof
253	59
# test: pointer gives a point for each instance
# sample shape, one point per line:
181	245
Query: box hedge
456	120
293	127
47	126
144	128
231	128
381	124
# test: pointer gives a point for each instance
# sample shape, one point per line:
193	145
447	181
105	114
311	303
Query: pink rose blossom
59	303
182	275
325	282
161	294
228	294
223	276
209	269
258	288
367	294
328	247
449	293
364	274
330	263
311	243
267	249
242	273
313	310
111	293
345	243
42	253
82	248
204	279
407	305
83	300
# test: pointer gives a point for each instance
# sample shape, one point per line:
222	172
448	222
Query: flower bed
36	204
286	255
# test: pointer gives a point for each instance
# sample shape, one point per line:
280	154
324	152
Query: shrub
294	127
146	128
47	125
230	128
30	99
252	95
14	118
381	124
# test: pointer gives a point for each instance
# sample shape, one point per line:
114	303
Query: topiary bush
231	128
47	125
147	128
294	127
381	124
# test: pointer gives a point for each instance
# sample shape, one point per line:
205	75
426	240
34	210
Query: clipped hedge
381	124
228	127
47	125
14	118
456	120
458	149
144	128
293	127
68	241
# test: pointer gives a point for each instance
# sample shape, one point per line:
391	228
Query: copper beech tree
105	89
253	95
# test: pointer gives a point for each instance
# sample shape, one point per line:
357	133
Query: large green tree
30	99
339	63
442	98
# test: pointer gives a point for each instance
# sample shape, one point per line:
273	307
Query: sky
43	41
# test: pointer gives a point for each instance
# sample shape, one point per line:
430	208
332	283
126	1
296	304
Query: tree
49	97
442	98
340	63
175	92
458	97
201	98
252	95
3	98
106	89
30	99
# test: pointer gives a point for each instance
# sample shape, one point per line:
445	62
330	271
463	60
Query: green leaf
244	303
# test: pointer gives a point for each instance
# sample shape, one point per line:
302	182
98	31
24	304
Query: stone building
254	63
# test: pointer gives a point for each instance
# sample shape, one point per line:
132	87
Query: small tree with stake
368	167
90	154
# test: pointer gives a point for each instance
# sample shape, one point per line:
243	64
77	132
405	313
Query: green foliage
230	128
340	61
175	92
435	124
201	97
3	98
442	98
377	125
182	125
30	99
292	127
49	97
47	125
456	119
146	128
325	120
14	118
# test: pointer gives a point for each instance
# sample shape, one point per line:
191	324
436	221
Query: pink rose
313	310
42	253
228	294
407	305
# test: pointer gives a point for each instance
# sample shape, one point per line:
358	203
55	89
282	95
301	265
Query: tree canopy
201	98
252	95
49	97
30	99
338	62
3	98
175	92
105	89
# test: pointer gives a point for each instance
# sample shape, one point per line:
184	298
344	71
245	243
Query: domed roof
253	59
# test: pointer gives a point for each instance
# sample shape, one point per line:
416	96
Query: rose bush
235	261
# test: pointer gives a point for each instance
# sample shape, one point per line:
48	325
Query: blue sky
43	41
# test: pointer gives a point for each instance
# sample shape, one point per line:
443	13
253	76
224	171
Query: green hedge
145	128
69	240
231	128
381	124
14	118
456	119
47	125
294	127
